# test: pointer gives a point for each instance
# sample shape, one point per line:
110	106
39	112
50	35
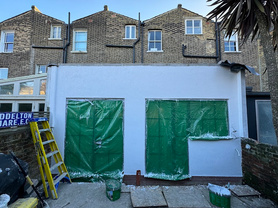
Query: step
48	141
60	178
55	166
51	153
44	130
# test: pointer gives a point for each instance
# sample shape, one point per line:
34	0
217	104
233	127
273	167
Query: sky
81	8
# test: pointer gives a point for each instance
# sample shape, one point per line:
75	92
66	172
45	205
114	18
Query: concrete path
87	195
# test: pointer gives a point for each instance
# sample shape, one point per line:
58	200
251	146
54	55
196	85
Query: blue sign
10	119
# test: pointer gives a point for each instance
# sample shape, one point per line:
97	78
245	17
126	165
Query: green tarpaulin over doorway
169	125
94	139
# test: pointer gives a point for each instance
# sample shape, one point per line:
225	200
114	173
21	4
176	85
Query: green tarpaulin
94	139
169	125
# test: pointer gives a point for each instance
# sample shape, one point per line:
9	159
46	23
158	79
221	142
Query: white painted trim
73	40
193	19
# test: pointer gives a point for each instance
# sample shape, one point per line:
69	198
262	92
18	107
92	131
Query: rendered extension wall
137	83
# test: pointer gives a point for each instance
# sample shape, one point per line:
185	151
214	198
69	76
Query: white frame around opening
155	41
193	33
129	36
74	41
3	41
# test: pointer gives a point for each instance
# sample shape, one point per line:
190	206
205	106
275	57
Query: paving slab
147	196
87	195
254	201
244	190
185	196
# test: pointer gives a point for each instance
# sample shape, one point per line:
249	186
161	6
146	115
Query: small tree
254	17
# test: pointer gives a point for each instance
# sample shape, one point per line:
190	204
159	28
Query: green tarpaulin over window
169	125
94	139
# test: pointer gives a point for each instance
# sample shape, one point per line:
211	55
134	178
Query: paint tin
113	189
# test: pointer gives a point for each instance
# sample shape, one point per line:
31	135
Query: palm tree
254	17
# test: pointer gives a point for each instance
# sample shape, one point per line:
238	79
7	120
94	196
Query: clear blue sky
80	8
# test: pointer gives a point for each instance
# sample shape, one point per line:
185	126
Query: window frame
155	41
7	69
260	137
3	42
129	36
193	27
74	41
226	39
58	32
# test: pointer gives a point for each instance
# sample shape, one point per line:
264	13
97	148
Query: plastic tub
113	189
219	196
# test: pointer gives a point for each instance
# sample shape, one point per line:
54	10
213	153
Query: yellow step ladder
43	157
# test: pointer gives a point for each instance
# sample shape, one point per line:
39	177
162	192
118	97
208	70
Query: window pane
151	35
3	73
157	35
232	46
24	107
9	47
10	37
26	88
133	29
41	107
81	36
42	69
227	46
197	23
43	87
233	38
54	32
158	46
151	45
127	32
80	46
59	32
189	30
197	30
6	89
189	23
6	107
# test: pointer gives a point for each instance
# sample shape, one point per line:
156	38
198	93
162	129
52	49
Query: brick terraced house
31	41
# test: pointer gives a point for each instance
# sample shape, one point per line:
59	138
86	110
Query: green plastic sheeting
169	125
94	139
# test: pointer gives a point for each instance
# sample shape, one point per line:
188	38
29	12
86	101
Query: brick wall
172	25
104	28
260	167
31	28
107	27
19	140
18	62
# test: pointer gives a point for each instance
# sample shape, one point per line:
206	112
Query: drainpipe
118	46
65	54
195	56
219	39
216	40
142	43
138	38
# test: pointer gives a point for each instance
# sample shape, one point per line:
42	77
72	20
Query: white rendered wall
135	84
